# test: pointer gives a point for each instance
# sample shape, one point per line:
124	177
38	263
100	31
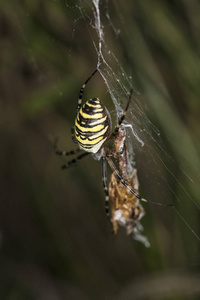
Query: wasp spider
92	134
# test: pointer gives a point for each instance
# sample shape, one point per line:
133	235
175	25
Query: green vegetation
55	240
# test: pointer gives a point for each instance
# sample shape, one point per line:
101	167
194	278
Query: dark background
55	240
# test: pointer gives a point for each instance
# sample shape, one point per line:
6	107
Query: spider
92	134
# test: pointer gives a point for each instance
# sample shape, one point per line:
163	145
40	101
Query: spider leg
82	90
121	119
64	153
105	186
74	160
116	172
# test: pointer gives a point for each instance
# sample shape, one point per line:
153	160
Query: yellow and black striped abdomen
92	125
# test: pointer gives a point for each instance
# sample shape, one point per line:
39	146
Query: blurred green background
55	241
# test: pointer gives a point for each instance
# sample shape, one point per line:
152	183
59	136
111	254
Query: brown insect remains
125	207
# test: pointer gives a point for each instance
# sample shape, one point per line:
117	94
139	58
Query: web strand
143	134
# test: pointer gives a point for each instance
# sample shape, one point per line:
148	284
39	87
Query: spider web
54	222
144	138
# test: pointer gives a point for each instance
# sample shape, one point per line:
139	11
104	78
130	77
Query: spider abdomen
92	125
